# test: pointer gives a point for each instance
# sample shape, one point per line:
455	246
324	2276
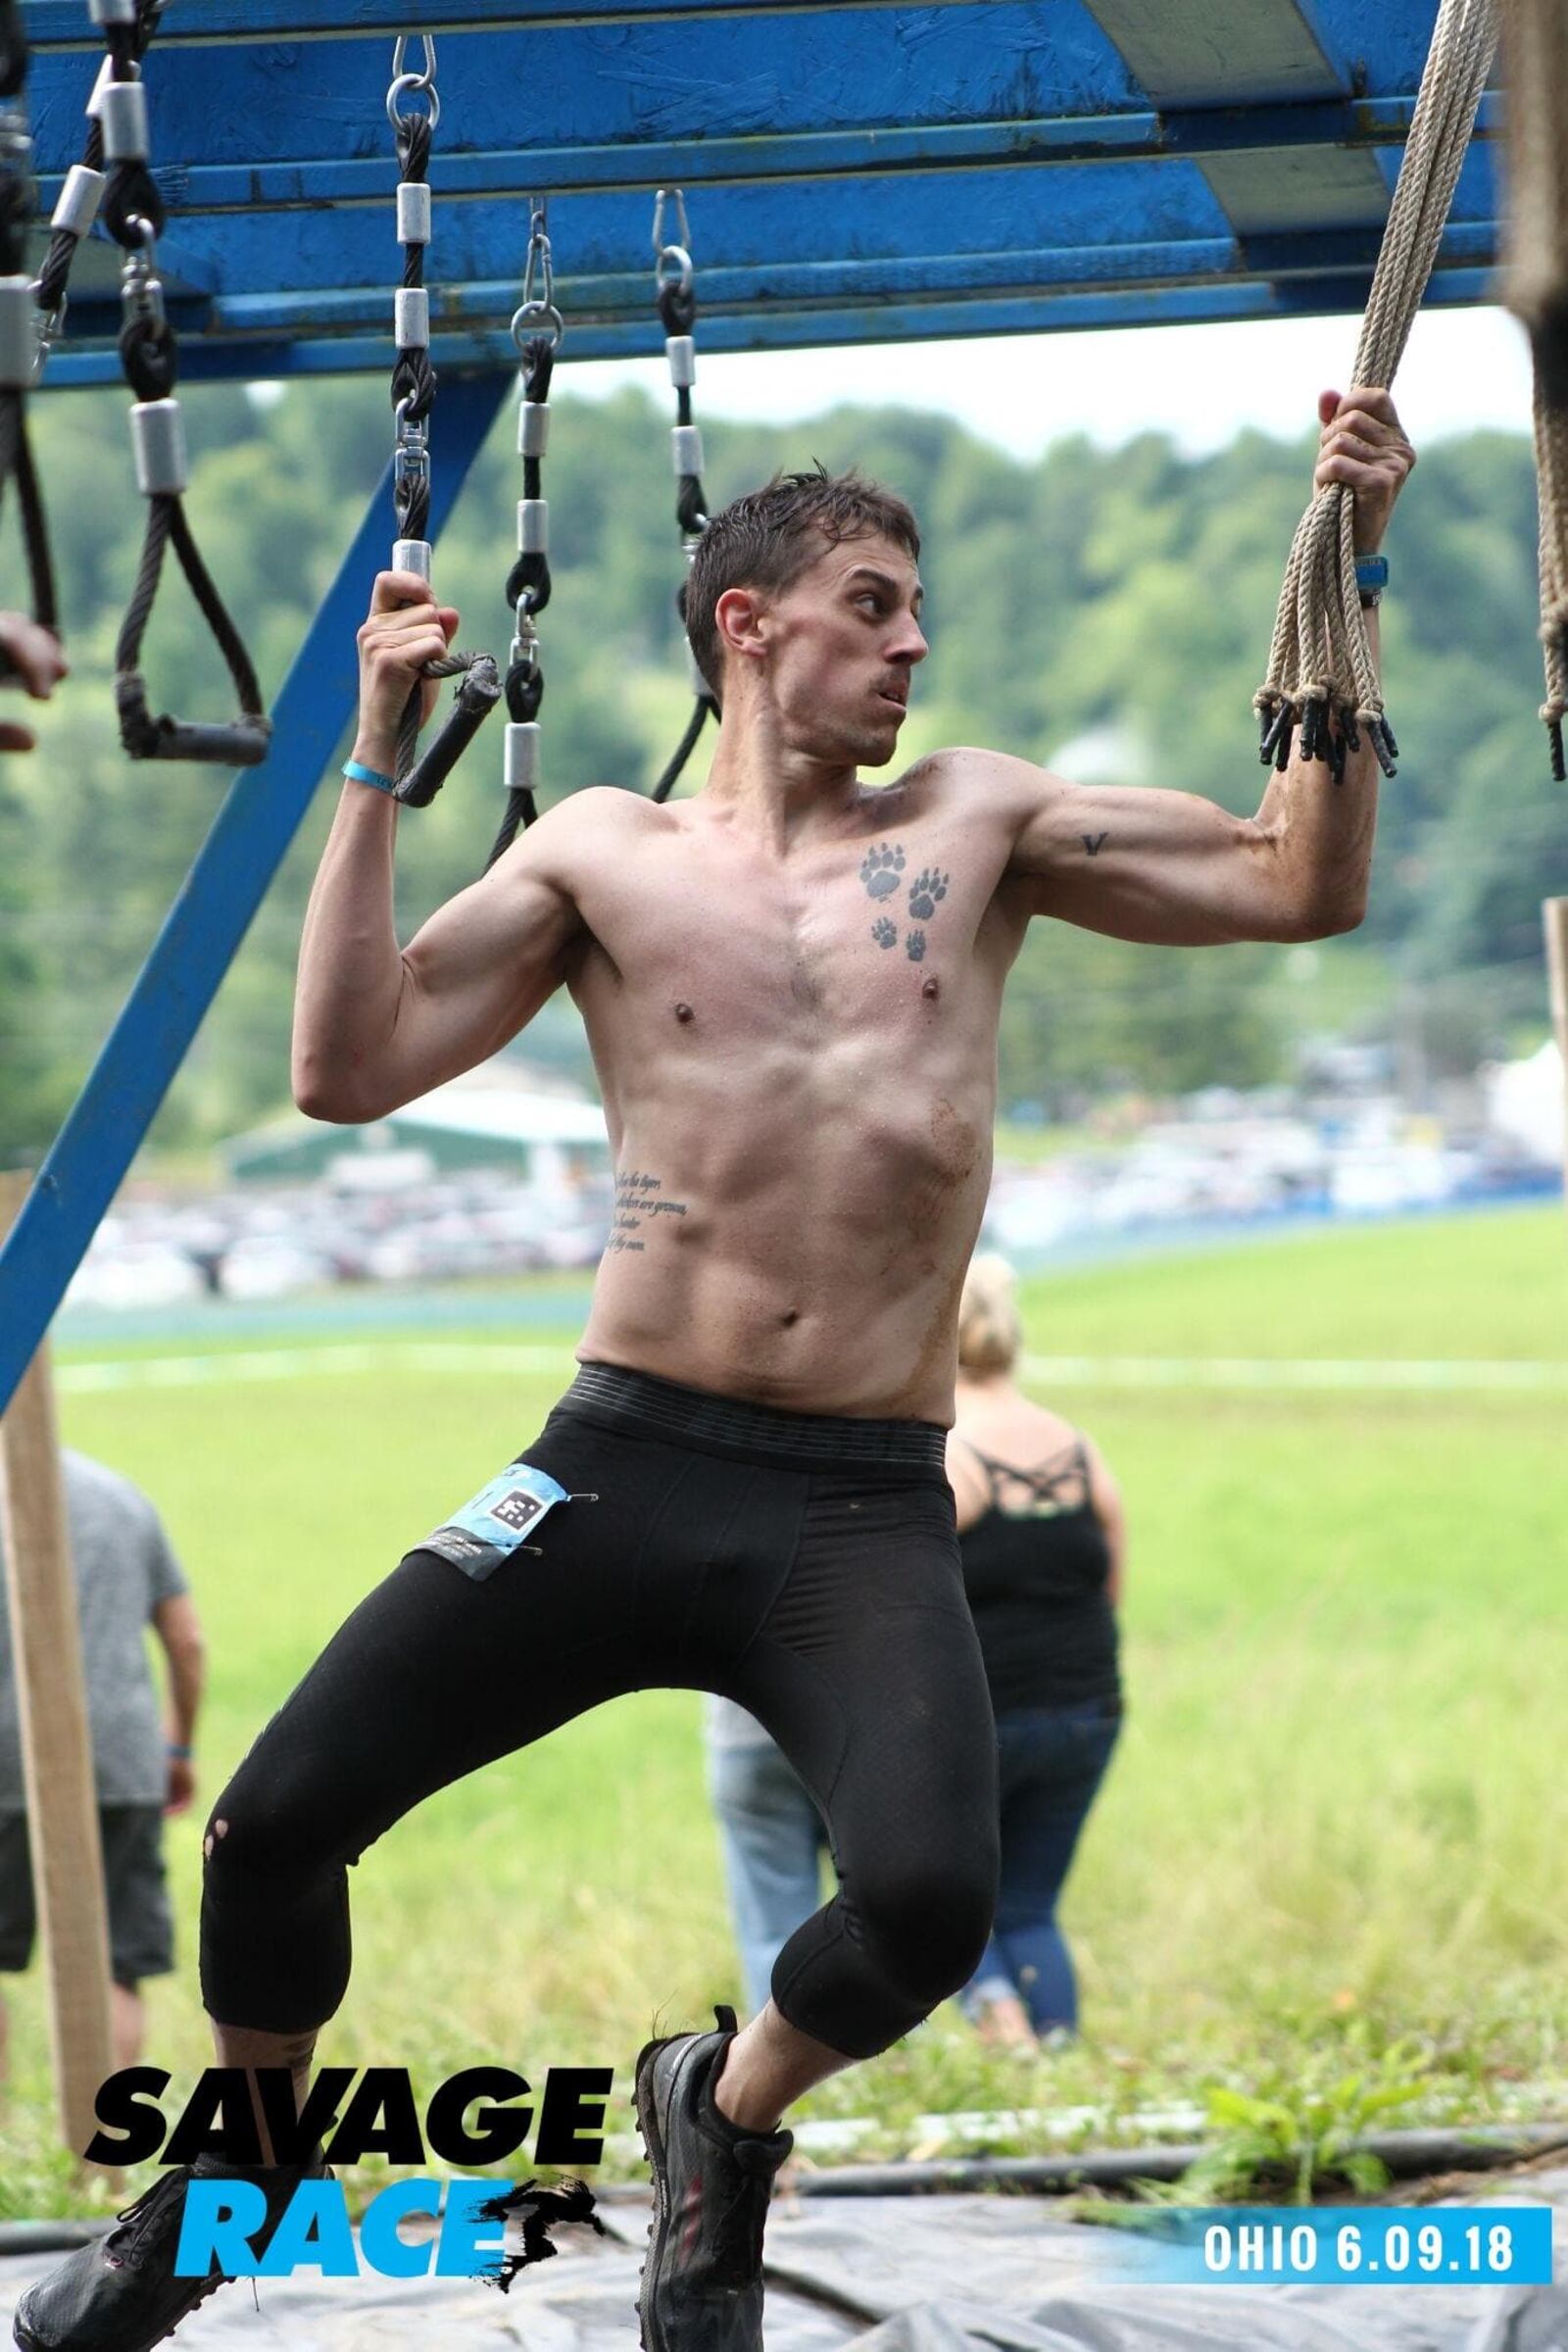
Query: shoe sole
644	2098
26	2341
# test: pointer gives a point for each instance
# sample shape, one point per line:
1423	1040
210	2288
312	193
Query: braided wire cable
412	395
1320	665
528	583
16	198
65	239
675	299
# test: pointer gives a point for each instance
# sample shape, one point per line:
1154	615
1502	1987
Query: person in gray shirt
126	1579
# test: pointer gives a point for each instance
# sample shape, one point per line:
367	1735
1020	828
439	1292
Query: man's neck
763	783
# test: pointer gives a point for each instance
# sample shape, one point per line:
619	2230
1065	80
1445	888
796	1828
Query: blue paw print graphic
927	891
885	934
880	870
915	947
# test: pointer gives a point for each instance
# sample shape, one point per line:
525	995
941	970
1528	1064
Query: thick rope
1536	55
1320	665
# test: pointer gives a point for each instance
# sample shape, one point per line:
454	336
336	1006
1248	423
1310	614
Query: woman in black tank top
1040	1532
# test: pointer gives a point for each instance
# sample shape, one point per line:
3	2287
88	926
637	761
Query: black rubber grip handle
476	697
243	743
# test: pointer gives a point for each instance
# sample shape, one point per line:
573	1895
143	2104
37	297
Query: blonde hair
990	1333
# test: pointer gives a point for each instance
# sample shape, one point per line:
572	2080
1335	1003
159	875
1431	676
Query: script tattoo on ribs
639	1202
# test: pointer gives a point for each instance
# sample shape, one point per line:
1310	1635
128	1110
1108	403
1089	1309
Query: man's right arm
375	1025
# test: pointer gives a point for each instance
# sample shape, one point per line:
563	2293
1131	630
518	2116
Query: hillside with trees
1104	612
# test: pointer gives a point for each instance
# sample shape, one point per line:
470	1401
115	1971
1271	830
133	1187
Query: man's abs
803	1254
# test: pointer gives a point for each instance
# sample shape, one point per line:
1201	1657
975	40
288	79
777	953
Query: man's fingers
1375	401
395	589
16	739
35	653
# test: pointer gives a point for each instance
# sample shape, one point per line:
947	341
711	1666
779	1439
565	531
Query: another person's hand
405	629
181	1790
36	655
1363	445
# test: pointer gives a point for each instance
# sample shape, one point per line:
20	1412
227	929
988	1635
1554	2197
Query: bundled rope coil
1535	54
1320	668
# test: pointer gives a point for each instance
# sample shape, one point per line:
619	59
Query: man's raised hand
1363	445
404	630
39	663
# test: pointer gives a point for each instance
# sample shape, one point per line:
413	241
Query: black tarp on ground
942	2273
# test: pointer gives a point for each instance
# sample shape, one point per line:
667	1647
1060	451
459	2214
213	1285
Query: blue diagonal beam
211	913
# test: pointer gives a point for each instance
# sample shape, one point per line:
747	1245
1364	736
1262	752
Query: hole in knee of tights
220	1828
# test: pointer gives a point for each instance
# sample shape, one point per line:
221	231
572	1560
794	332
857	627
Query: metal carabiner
536	314
683	235
400	47
401	81
680	272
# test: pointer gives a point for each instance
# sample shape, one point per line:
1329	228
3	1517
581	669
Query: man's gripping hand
404	630
1363	445
40	664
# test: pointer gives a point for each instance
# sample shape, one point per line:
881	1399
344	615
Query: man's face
843	638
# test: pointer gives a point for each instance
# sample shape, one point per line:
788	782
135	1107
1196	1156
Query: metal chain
675	297
537	329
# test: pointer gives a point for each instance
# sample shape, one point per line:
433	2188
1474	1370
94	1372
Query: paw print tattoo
915	947
885	934
927	891
880	870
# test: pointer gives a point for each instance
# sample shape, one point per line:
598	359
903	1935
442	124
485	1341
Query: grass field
1339	1811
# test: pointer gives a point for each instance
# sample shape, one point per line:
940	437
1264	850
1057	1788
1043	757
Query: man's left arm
1171	868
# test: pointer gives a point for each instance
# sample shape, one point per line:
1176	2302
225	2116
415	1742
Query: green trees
1125	596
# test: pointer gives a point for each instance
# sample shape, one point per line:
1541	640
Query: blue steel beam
63	25
758	75
1197	137
211	913
798	287
892	322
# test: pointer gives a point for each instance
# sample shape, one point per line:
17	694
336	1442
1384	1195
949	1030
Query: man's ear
740	619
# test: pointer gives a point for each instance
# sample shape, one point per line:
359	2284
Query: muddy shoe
120	2294
702	2285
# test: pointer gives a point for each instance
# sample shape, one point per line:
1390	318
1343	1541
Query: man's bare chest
855	932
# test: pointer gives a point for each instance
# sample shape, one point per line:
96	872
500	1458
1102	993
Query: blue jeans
1053	1761
773	1838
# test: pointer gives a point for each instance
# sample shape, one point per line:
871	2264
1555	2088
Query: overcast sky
1202	384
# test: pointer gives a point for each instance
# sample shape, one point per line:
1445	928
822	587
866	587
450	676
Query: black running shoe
701	2283
120	2294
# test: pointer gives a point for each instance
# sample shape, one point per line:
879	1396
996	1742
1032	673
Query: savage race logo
228	2222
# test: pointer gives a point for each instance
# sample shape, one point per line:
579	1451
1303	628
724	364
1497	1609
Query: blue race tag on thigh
490	1527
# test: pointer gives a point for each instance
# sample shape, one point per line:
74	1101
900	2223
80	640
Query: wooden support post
56	1744
1554	915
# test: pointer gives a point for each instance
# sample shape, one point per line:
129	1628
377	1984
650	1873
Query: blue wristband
1371	574
358	773
173	1747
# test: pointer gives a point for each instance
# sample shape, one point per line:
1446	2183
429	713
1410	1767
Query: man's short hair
770	536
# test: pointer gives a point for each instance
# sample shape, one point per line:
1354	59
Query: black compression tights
802	1565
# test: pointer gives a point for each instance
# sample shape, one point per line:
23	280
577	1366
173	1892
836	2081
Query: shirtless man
791	986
